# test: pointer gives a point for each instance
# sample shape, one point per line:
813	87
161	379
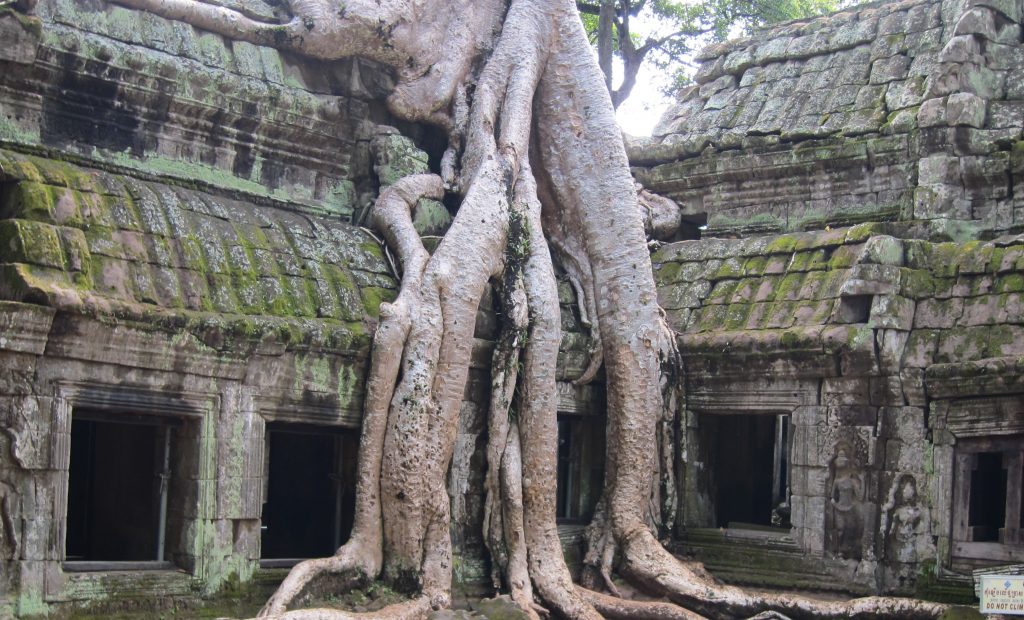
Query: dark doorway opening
118	476
310	496
987	512
749	477
580	467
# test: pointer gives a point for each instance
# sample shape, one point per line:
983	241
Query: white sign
1002	594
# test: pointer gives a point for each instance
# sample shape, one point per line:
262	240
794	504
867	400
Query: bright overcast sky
640	112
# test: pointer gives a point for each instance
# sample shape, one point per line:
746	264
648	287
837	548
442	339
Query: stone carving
8	521
901	521
27	431
844	521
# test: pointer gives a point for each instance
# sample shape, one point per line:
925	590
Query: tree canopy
673	30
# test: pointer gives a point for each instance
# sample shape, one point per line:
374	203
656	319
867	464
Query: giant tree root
538	159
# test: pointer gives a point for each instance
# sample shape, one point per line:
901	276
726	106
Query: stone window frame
339	432
198	408
968	423
797	400
1011	550
309	408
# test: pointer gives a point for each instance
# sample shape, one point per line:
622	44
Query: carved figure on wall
901	521
844	524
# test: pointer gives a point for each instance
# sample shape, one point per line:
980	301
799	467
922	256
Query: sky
639	113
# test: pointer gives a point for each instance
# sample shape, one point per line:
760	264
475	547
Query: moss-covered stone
430	217
789	287
730	268
397	157
1009	283
809	260
666	273
845	256
722	292
883	250
32	242
916	283
29	200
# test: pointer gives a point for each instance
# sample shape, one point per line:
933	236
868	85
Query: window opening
118	486
310	494
988	490
749	456
580	467
987	512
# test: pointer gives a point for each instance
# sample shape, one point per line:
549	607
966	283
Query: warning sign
1002	594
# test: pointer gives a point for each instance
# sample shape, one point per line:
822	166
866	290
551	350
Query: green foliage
677	29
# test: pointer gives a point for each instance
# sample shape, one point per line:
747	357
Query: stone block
941	201
966	110
1006	57
888	45
981	310
738	62
923	17
1006	340
894	23
891	346
798	483
855	345
938	313
35	243
887	391
808	416
882	250
1011	9
885	70
1005	114
977	20
814	519
20	35
977	78
904	423
912	380
904	94
871	280
683	295
944	80
963	344
964	50
853	415
397	157
932	113
892	312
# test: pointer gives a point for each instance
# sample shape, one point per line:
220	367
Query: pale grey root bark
535	153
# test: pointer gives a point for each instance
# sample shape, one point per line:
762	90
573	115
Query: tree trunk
538	159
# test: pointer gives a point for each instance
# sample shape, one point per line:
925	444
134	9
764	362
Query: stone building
854	332
187	303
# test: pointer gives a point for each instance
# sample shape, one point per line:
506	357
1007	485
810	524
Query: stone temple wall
855	182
